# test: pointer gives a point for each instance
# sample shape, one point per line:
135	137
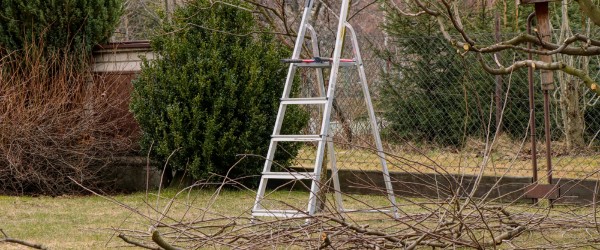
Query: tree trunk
570	94
322	195
572	116
499	92
590	10
168	10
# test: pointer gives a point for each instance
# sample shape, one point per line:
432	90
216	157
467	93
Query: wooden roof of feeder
535	1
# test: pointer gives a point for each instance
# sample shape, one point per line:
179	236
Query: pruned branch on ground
6	239
453	219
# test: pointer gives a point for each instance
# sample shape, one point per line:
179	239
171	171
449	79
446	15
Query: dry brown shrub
58	120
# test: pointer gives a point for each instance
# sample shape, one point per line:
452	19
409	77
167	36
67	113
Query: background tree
454	21
436	95
213	91
423	94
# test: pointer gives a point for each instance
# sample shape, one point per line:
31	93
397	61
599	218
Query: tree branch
590	49
137	244
7	239
590	10
427	10
505	236
587	80
161	242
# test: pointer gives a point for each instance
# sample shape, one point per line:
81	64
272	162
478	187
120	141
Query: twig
161	242
5	238
137	244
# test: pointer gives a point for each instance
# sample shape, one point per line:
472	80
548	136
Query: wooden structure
549	191
115	65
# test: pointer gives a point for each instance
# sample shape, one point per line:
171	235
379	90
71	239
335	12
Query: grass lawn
501	163
87	222
64	222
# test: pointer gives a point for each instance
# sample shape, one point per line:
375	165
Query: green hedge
71	25
213	92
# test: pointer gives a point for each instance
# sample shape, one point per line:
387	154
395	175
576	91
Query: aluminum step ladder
325	101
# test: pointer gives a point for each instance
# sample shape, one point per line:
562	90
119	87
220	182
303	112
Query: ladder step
279	213
324	65
296	137
317	59
366	210
289	175
315	100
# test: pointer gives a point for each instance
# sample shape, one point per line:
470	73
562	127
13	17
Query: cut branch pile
438	223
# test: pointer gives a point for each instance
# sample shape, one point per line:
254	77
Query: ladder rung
314	100
289	175
279	213
366	210
324	65
317	59
296	137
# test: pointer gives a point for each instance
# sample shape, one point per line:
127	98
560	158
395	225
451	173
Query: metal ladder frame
323	139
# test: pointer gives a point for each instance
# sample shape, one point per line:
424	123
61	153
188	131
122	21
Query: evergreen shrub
67	25
213	92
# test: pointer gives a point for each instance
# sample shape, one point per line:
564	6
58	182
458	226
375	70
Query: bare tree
448	16
567	53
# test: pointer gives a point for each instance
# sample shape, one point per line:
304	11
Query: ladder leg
337	53
321	92
374	126
282	108
315	186
260	194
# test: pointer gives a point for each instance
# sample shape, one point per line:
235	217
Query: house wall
115	65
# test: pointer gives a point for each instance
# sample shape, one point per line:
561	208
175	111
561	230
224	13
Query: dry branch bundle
57	120
449	222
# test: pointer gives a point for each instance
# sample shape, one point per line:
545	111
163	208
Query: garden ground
89	222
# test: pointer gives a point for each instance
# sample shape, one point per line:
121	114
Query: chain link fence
438	111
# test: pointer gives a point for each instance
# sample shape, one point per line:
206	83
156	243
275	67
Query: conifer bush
61	25
213	92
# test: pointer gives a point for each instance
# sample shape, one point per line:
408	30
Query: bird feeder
549	191
543	30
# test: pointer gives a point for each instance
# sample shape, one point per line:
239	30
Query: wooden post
543	30
543	27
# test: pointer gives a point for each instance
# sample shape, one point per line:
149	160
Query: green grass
63	222
501	162
88	222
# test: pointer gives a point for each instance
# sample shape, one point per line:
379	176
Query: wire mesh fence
438	111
